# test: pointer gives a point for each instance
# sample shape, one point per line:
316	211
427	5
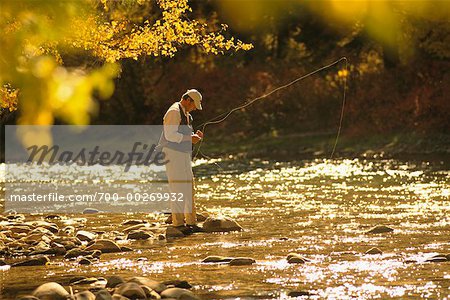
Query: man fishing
177	139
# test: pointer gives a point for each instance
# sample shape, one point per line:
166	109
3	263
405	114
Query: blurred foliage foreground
38	35
58	58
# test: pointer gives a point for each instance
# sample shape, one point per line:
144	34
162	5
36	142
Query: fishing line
222	117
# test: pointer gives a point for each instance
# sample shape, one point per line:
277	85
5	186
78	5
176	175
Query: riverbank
320	145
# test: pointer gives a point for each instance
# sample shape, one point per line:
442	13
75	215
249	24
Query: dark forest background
395	87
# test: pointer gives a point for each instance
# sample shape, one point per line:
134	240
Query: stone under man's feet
184	229
195	228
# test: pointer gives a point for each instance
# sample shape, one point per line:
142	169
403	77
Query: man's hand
196	138
199	133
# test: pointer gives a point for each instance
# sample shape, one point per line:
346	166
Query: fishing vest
185	128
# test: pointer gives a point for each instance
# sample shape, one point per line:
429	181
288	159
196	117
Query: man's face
191	105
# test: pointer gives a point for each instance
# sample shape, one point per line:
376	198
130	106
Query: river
320	209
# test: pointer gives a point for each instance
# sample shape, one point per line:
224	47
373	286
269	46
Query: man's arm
171	133
173	118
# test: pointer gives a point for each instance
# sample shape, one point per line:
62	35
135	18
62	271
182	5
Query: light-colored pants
181	180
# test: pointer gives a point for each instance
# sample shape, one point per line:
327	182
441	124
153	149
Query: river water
320	209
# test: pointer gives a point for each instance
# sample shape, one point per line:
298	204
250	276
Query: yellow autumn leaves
55	57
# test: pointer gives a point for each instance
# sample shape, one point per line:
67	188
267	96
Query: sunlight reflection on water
320	209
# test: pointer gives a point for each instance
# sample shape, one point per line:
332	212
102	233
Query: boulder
38	261
172	232
138	235
295	258
85	295
437	258
15	216
242	261
45	234
119	297
380	229
84	261
20	229
130	290
52	217
104	245
177	293
295	294
374	250
224	224
153	284
96	253
183	284
86	236
41	246
52	227
87	211
133	222
72	253
86	280
151	294
135	227
76	278
103	295
57	249
68	230
217	259
113	281
50	291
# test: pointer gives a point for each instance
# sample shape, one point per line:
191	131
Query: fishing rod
222	117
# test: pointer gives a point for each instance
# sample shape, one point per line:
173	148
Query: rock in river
38	261
217	259
178	283
103	295
153	284
138	235
178	293
84	261
104	245
84	295
295	258
133	222
242	261
86	236
374	250
295	294
439	258
113	281
224	224
130	290
90	211
380	229
78	252
172	232
51	291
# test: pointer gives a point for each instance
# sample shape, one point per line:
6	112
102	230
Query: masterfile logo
65	168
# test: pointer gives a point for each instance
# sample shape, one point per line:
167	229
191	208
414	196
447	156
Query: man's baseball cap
196	96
